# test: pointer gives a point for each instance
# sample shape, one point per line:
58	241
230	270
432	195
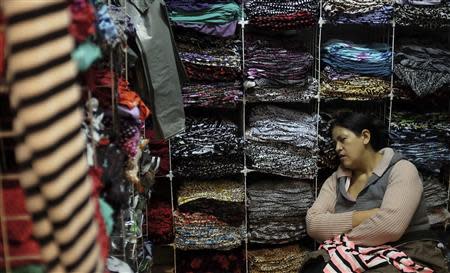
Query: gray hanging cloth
161	71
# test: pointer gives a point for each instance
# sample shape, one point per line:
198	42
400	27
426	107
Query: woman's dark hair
357	122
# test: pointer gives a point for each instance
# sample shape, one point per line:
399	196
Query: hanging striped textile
51	147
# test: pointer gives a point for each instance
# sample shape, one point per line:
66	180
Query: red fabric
83	20
19	232
103	239
160	224
131	99
14	204
100	82
159	148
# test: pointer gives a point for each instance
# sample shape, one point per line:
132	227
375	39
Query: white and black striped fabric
51	147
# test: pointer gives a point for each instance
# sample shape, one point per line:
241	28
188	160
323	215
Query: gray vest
372	197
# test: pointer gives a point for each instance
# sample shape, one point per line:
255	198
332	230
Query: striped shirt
347	257
51	146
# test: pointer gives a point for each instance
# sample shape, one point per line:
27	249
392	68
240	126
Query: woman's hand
361	216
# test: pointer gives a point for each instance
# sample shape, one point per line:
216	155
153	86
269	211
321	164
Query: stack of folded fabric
278	70
232	261
287	259
422	138
221	198
274	63
284	94
202	231
424	69
159	222
427	14
208	148
435	193
355	71
327	155
281	15
358	12
282	141
212	95
217	18
277	210
210	60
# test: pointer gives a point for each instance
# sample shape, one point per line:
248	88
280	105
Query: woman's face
349	146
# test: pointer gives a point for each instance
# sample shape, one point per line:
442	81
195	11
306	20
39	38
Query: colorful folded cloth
286	259
202	231
361	59
221	198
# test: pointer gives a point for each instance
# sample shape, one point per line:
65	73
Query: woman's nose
338	147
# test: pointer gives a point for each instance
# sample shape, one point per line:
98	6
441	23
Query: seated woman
375	198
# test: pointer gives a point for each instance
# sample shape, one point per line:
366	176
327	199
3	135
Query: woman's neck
368	163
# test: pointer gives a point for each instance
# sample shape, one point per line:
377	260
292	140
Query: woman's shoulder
405	170
404	165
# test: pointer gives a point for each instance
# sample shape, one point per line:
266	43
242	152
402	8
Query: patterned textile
425	69
215	95
348	57
208	148
285	15
351	86
203	231
221	198
347	257
209	60
277	209
281	141
358	12
284	94
422	138
431	15
287	259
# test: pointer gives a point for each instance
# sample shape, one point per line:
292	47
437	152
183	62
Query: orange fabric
131	99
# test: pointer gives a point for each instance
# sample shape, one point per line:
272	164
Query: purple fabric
224	30
135	113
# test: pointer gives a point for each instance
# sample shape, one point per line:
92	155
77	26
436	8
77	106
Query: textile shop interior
205	125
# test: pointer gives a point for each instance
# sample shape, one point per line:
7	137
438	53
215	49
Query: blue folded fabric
371	59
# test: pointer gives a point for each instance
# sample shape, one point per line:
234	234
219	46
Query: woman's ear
365	134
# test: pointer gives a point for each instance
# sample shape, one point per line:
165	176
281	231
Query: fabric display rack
219	177
297	70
